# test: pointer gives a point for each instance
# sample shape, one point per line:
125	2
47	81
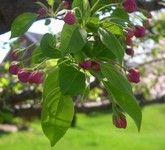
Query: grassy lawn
96	132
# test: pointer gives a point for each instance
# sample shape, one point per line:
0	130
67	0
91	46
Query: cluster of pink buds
128	41
26	75
90	65
119	120
138	32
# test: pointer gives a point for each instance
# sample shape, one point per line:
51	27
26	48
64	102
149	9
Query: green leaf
113	28
73	39
79	56
38	56
49	83
22	23
86	93
48	46
72	81
121	14
121	90
84	7
50	2
100	51
88	48
57	110
112	43
120	17
93	25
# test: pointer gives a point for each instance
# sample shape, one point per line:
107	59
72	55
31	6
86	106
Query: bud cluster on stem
90	65
25	75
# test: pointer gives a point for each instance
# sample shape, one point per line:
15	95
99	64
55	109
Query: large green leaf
93	24
48	46
72	81
121	14
88	48
120	89
73	39
22	23
57	110
120	17
51	81
112	43
38	56
113	28
100	51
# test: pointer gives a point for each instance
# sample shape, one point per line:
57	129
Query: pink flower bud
129	5
129	33
146	24
86	64
96	37
14	55
139	31
36	77
42	11
128	41
23	75
119	120
133	75
65	4
69	18
14	68
95	66
129	51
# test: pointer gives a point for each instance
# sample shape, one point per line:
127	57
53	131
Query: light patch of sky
38	27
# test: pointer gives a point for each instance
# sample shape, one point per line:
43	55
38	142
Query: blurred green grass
96	132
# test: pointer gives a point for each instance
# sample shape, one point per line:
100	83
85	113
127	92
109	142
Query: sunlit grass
96	132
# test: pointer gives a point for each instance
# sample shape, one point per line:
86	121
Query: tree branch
9	10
